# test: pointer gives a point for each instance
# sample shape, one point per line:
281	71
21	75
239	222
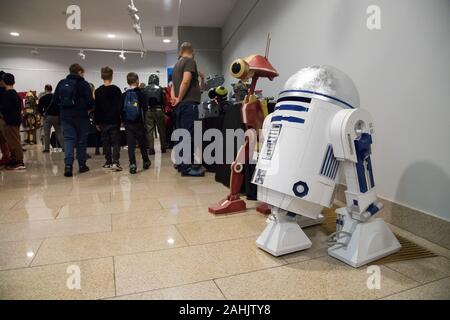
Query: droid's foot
228	206
370	241
282	234
281	238
263	208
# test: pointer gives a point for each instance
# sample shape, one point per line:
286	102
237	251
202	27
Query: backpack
131	106
67	93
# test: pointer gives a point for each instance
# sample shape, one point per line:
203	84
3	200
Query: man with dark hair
3	144
134	106
108	108
155	115
10	108
50	111
186	95
74	97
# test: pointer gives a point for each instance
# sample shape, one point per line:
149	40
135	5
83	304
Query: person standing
155	114
50	111
108	109
3	144
134	107
186	96
10	108
74	97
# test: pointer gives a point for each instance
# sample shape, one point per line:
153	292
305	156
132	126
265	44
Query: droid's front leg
282	234
233	202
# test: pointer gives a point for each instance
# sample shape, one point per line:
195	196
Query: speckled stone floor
150	236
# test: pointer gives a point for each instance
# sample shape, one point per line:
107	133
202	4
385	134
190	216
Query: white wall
50	66
402	73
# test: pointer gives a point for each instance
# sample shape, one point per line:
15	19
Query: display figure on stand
253	113
31	118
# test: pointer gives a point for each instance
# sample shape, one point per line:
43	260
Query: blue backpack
131	106
67	93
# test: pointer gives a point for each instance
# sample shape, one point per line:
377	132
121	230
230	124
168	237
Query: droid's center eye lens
236	68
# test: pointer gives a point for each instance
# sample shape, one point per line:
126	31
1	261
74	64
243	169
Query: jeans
136	131
75	133
55	122
187	114
111	139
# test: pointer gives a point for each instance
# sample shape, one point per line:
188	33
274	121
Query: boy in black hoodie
134	106
10	108
108	108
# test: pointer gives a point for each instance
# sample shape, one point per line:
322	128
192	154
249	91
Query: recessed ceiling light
14	34
111	36
167	41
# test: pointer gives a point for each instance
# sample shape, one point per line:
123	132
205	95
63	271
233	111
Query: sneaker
194	172
151	152
16	167
46	151
116	167
147	165
107	166
133	169
68	171
164	151
88	156
84	169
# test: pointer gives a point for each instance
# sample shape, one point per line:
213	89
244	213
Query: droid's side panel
296	159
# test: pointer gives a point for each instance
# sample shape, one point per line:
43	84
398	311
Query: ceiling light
122	56
34	52
111	36
167	41
14	34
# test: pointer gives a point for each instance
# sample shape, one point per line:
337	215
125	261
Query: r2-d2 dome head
297	170
324	82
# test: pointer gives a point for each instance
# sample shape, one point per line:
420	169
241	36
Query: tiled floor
150	236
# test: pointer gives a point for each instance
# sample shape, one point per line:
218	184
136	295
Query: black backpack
67	93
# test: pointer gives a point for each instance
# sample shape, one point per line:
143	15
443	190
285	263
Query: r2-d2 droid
316	131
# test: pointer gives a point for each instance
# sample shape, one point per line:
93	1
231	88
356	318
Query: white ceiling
42	22
205	13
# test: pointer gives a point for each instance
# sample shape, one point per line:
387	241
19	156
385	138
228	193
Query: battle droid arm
351	136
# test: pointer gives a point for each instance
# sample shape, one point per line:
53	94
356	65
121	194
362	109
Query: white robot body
306	185
316	131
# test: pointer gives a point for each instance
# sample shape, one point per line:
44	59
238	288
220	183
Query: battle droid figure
253	113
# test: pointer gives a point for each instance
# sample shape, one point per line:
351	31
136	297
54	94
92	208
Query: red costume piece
253	115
